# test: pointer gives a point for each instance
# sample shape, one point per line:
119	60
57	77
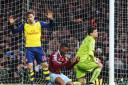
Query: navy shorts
33	53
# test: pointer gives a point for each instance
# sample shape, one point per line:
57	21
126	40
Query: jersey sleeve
47	25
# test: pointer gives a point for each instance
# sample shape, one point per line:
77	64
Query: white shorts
53	76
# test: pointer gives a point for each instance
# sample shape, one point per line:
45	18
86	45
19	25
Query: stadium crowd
72	18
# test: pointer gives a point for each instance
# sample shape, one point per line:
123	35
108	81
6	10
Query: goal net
72	18
121	40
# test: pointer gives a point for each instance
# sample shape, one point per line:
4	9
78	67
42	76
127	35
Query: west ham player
57	61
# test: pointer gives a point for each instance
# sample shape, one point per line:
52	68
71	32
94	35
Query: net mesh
10	43
72	18
121	60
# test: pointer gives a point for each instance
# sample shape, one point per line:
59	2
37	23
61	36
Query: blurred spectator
73	43
53	45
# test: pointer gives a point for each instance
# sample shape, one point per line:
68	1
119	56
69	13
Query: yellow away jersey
32	34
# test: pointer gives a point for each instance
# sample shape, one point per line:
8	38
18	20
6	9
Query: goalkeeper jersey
86	50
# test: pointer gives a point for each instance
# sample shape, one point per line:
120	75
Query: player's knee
44	65
30	66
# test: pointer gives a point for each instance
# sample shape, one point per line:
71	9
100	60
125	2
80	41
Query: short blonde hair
30	12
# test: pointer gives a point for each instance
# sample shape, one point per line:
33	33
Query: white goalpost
111	41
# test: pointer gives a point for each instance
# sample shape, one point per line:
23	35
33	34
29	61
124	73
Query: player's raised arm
49	24
13	28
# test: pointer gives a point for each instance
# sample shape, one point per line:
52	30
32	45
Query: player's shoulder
89	38
42	22
86	39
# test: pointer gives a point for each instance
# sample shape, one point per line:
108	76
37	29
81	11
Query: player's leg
55	79
61	79
96	72
41	59
46	71
67	80
30	59
90	66
80	75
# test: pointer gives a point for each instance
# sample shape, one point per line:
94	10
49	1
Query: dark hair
64	45
30	12
91	29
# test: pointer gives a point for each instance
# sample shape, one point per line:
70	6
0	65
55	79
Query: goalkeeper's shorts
33	53
82	68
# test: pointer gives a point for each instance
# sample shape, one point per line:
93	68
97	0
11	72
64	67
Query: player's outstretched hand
11	20
98	61
50	15
77	59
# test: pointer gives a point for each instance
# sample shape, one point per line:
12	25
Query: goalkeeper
88	62
32	33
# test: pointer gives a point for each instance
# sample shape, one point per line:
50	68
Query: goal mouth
72	19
